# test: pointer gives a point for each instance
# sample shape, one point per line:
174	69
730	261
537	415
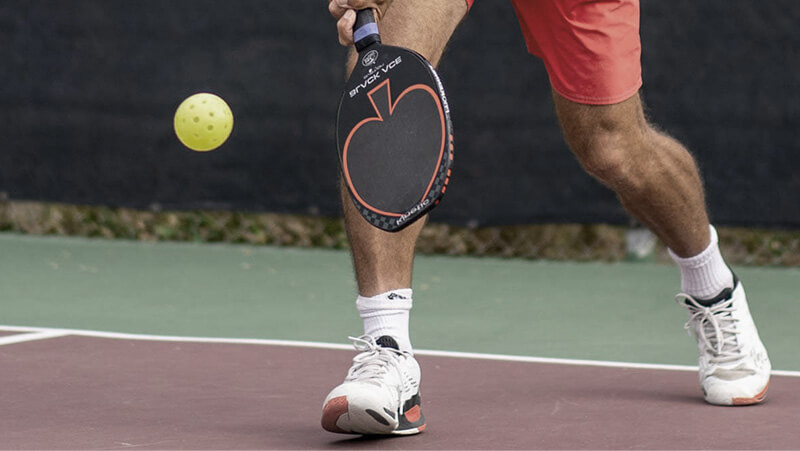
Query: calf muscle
653	175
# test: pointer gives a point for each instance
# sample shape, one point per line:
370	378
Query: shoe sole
410	422
754	400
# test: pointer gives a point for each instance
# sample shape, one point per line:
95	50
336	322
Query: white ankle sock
705	275
387	314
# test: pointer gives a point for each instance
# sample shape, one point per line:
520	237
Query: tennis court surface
115	345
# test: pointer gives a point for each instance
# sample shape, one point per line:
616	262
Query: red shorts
591	48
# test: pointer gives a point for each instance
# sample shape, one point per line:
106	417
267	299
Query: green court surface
620	312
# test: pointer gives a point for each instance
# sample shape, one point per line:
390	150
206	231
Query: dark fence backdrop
88	89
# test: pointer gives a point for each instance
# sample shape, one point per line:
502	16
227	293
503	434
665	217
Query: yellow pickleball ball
203	122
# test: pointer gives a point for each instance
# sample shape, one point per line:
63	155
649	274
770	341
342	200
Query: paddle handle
365	31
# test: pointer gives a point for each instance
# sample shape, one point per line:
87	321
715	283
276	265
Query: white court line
174	338
31	336
320	345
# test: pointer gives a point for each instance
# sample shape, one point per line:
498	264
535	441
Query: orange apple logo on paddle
410	130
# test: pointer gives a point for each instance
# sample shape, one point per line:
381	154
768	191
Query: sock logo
393	296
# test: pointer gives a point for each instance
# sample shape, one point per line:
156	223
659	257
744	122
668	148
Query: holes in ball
210	127
211	113
191	107
196	119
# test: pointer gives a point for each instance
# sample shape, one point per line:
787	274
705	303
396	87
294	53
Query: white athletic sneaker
380	394
734	367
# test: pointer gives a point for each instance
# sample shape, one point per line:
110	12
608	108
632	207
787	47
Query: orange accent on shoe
421	428
412	414
334	409
754	400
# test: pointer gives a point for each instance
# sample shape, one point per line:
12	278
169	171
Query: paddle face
394	136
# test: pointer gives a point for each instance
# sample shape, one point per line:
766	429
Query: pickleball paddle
393	131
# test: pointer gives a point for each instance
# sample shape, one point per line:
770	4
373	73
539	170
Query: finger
359	4
378	5
345	27
336	10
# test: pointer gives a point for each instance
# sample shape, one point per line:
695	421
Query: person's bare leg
380	394
657	181
383	260
653	175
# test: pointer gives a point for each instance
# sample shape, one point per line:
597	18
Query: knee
617	157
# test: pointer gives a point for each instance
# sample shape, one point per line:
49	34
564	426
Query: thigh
591	48
424	26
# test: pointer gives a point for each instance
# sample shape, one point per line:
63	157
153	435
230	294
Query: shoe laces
373	360
372	364
715	327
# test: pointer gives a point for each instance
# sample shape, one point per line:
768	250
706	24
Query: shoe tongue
724	295
387	342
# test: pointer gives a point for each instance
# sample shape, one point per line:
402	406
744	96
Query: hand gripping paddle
393	131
